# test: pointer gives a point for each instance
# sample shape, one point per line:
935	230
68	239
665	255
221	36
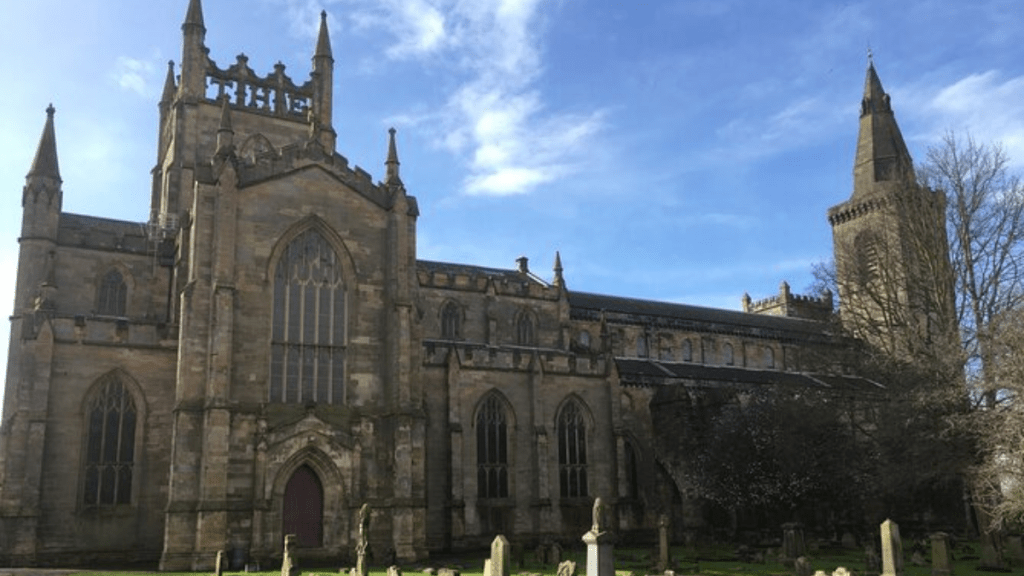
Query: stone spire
45	163
194	16
323	41
391	176
559	279
193	52
882	155
169	86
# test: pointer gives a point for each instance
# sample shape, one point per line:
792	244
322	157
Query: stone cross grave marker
892	549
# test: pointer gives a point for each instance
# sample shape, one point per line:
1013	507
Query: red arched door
303	509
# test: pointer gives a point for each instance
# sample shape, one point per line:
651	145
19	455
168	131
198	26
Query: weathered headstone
362	546
991	551
599	544
488	567
289	564
941	560
917	559
1014	548
892	549
567	568
802	566
218	568
500	551
841	571
448	572
792	542
394	570
820	573
872	563
664	561
555	553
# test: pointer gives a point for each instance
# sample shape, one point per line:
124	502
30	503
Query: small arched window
492	449
686	350
451	322
307	345
727	355
642	346
525	333
665	347
584	339
113	295
110	444
769	357
572	451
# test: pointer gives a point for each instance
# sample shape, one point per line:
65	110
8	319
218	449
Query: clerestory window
113	295
307	347
451	322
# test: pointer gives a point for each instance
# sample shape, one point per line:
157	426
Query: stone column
892	549
941	565
599	543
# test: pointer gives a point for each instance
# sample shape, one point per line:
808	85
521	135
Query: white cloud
494	116
986	105
135	75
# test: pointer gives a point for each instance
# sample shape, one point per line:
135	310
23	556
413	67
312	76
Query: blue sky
673	150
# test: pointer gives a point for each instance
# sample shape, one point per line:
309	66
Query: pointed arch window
113	295
307	346
642	346
572	451
492	449
686	350
728	358
631	480
525	332
110	444
451	322
769	357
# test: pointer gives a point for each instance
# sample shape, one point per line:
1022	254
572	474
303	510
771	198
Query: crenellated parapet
476	356
786	303
520	282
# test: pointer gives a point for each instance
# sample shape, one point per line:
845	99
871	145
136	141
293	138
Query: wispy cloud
135	75
495	116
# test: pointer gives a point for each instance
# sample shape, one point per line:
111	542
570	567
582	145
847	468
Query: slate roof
586	306
647	372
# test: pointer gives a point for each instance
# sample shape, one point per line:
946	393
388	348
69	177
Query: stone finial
323	40
524	264
559	280
169	86
45	162
746	302
391	164
784	289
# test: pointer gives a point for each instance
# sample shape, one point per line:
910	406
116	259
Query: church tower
889	241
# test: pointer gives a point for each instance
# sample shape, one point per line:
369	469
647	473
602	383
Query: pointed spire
323	41
45	163
882	155
169	86
559	280
392	162
194	16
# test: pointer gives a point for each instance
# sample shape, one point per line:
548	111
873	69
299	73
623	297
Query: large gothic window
307	348
492	449
113	295
572	451
451	321
110	444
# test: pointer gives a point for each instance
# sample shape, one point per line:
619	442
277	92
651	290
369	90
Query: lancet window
113	295
451	322
572	451
492	449
307	349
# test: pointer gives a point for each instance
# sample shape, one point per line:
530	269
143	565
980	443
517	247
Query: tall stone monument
892	549
599	544
363	545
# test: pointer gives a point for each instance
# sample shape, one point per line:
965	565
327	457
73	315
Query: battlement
474	356
791	305
480	279
274	94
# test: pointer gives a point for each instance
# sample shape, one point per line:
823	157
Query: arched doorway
303	508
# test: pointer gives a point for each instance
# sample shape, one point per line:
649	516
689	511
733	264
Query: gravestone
289	564
841	571
500	551
555	554
664	561
599	543
540	555
802	566
872	563
394	570
567	568
991	551
218	568
1014	548
447	572
849	540
820	573
792	542
941	559
488	567
892	549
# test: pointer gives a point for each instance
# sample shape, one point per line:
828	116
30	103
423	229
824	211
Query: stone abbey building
267	353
